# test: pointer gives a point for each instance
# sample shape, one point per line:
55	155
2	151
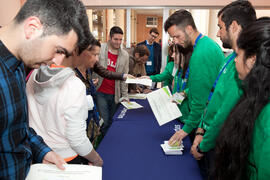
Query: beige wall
8	10
143	31
261	13
170	3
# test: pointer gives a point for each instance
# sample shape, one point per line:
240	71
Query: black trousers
206	164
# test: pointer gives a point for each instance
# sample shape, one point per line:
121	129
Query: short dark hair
180	18
59	17
240	11
115	30
154	30
94	43
142	50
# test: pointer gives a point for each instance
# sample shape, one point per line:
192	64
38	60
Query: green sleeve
204	68
165	75
186	91
263	164
230	99
200	124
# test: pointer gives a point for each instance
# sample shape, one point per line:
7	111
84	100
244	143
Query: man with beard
203	69
231	20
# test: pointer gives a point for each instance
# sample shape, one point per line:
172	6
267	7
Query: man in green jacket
226	90
204	66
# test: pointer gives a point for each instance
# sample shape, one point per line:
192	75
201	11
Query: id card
149	63
178	98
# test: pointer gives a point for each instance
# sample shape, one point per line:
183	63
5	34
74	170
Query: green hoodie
205	62
225	96
259	155
165	76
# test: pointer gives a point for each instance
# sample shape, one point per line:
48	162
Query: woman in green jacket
177	71
243	146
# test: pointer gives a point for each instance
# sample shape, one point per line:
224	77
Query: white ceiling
149	11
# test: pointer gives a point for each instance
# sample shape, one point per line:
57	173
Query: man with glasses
153	63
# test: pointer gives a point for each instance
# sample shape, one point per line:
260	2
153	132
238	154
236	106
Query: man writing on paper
137	67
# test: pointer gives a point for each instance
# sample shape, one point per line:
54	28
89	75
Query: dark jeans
206	164
106	107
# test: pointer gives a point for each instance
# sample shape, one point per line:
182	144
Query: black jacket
157	56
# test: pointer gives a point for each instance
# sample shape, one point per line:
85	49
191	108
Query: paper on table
172	150
137	96
146	82
131	105
72	171
162	106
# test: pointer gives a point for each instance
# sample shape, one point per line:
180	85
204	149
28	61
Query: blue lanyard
223	68
197	39
183	81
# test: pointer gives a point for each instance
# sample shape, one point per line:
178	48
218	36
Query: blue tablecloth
131	149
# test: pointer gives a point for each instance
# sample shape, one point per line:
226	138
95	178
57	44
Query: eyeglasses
153	36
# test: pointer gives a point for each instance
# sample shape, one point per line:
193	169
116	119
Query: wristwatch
199	133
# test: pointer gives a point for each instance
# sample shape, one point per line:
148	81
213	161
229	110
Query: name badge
149	63
90	102
178	98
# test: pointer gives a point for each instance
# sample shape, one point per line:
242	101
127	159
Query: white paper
72	172
137	96
131	105
162	106
146	82
172	150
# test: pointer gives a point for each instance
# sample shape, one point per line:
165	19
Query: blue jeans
106	107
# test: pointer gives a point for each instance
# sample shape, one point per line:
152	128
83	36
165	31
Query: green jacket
205	62
226	95
259	154
165	76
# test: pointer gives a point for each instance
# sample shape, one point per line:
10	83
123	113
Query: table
131	149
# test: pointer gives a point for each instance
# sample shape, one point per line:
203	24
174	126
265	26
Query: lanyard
197	39
183	81
223	68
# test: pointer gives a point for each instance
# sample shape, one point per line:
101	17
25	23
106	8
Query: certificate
162	106
72	171
146	82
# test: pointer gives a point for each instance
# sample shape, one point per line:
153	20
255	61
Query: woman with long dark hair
243	145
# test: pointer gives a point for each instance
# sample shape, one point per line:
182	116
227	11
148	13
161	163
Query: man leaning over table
41	31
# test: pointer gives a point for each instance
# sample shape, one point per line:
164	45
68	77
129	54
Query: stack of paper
131	105
137	96
172	150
